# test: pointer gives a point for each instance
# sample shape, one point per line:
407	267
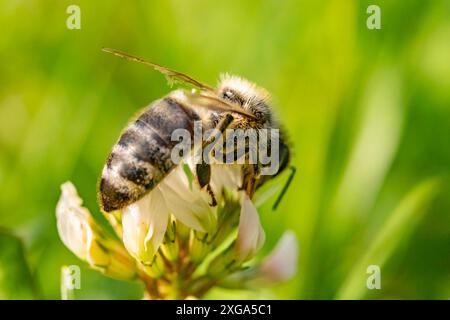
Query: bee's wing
211	102
202	100
171	75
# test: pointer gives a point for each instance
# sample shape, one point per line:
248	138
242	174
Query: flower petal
73	221
281	264
84	237
225	176
144	225
191	207
251	235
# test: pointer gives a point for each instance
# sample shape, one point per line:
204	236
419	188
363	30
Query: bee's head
247	95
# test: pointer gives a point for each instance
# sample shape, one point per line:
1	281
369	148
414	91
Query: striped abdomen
142	156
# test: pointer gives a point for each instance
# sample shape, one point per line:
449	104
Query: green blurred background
368	113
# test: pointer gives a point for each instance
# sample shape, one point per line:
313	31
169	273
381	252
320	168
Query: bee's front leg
203	172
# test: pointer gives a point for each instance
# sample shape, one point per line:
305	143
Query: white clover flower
171	233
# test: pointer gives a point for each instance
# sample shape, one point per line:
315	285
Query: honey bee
142	156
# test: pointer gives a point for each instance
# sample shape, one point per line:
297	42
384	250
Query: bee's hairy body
142	156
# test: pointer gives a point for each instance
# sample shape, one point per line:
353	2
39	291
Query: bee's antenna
172	75
285	187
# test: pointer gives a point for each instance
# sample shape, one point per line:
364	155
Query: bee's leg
203	172
203	169
285	187
250	172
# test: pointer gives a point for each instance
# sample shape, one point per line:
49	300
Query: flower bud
85	238
251	235
155	269
198	246
223	263
170	247
281	264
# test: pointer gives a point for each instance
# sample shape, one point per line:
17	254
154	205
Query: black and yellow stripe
142	156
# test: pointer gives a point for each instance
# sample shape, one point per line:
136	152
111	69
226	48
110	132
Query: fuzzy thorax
248	95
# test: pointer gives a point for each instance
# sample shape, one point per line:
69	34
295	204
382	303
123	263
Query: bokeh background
368	113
